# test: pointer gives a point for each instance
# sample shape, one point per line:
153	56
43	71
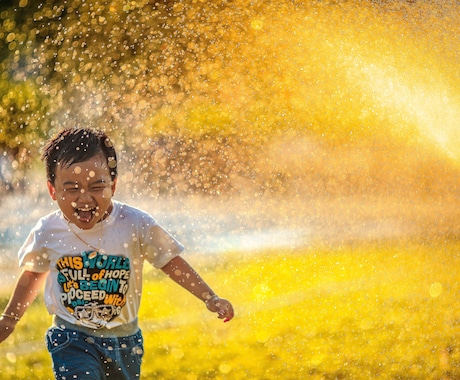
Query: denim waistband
118	331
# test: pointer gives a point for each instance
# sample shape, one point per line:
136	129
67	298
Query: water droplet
112	163
11	357
225	368
177	353
435	289
257	24
138	350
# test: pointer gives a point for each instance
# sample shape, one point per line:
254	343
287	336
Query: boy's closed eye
72	189
98	186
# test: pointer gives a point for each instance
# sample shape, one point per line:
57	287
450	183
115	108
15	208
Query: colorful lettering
94	286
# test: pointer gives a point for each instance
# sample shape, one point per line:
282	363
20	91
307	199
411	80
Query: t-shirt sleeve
32	255
161	246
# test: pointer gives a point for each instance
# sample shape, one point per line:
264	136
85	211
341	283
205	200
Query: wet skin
84	191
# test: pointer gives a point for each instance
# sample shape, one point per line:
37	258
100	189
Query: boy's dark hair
74	145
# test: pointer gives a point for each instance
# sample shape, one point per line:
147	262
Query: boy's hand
7	326
222	307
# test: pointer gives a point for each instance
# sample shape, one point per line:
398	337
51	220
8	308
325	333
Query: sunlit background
243	125
333	97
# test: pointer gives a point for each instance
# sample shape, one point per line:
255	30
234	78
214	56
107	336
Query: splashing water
370	71
309	121
340	70
286	98
435	114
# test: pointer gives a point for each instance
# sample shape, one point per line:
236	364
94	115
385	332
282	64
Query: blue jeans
77	355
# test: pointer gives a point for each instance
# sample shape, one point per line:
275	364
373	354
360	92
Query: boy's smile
84	191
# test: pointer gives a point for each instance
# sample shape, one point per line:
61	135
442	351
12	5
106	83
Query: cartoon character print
94	286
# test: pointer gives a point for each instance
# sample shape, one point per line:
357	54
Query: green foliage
19	103
386	311
197	73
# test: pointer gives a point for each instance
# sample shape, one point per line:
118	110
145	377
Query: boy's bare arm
24	293
182	273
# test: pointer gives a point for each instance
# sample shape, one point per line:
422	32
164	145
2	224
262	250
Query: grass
361	311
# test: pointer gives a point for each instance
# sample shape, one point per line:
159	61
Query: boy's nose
84	196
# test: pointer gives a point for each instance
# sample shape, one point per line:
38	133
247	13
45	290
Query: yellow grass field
358	311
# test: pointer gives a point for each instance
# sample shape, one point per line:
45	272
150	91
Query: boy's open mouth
85	214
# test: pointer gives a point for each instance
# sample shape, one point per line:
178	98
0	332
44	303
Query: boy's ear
114	185
51	190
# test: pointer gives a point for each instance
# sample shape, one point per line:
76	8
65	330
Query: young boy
91	253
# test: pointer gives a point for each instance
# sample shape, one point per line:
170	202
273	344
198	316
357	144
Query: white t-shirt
101	287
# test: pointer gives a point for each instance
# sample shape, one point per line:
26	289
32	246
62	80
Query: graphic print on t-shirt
94	286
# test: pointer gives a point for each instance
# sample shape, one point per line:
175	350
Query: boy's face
84	191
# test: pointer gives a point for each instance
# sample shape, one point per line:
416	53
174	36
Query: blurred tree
210	84
110	64
22	105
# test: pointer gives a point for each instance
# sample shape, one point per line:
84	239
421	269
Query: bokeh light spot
263	336
435	289
177	353
225	368
257	24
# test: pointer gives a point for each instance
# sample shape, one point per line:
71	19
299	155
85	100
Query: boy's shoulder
53	220
52	217
123	210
